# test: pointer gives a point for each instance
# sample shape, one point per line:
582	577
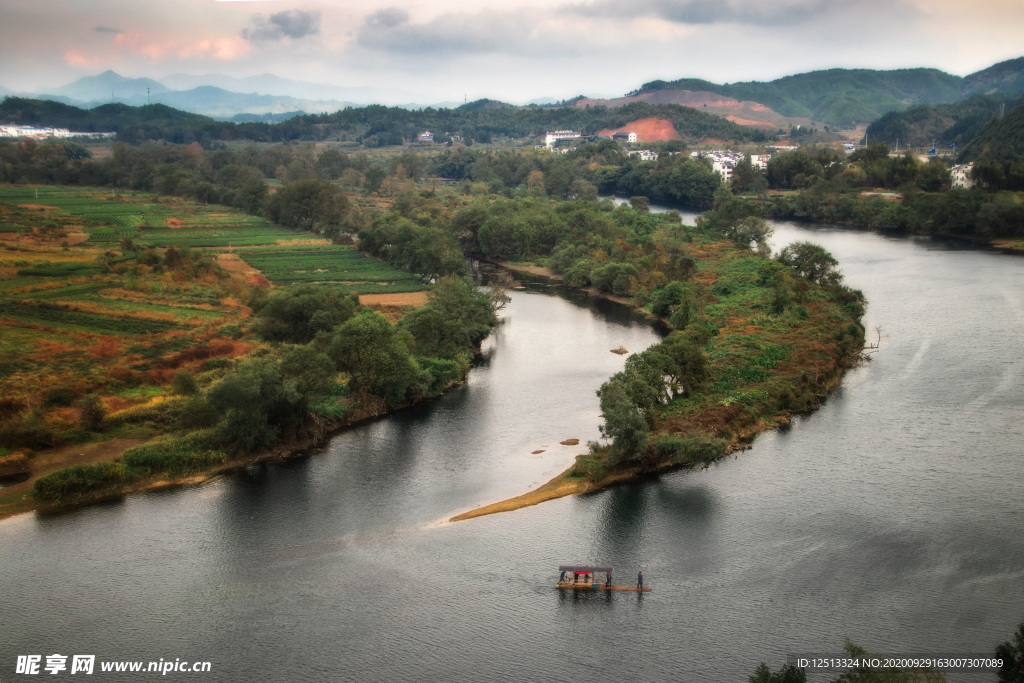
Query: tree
377	358
623	422
455	320
297	315
1012	654
256	403
747	178
811	261
750	230
309	204
787	674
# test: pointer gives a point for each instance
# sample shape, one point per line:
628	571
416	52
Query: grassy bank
775	342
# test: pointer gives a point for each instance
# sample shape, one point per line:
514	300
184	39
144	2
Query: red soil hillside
745	113
647	130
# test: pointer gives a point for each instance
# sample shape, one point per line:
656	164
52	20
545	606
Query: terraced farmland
109	217
330	264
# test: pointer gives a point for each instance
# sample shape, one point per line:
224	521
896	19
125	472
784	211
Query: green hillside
846	97
105	118
943	124
1001	140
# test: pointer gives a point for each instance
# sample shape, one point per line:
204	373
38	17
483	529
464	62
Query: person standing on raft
640	581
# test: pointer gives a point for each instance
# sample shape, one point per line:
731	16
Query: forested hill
844	97
941	124
1001	140
103	119
373	126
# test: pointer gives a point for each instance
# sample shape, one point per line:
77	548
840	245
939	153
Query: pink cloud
74	57
158	48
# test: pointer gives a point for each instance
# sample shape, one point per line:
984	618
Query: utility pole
148	100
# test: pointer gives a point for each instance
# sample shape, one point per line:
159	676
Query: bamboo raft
589	582
599	586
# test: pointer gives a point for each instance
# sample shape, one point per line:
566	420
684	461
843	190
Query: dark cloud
389	17
279	25
713	11
390	30
107	29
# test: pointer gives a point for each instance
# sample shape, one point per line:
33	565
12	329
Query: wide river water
893	516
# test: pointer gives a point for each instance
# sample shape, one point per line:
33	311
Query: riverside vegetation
755	339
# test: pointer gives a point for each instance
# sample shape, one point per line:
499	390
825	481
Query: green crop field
330	263
108	217
62	317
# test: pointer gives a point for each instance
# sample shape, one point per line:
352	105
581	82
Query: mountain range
839	98
844	98
219	96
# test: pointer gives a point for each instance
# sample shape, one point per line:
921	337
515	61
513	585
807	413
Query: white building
11	131
961	176
644	154
555	136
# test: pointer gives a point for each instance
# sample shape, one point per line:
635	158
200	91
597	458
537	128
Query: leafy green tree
747	178
623	422
256	404
750	230
455	320
811	261
91	412
1012	654
309	204
297	315
378	358
787	674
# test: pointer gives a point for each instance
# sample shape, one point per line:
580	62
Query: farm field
109	216
335	264
283	256
92	299
78	317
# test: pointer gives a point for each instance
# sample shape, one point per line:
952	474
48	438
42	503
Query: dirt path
17	498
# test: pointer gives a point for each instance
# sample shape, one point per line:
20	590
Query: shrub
70	483
175	456
195	413
61	396
184	384
442	372
218	363
27	432
590	466
160	412
91	412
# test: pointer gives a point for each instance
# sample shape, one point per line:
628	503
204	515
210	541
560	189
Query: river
893	516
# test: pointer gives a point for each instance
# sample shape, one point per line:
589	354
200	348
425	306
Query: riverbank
735	421
17	498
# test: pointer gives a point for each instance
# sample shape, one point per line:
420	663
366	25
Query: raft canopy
583	569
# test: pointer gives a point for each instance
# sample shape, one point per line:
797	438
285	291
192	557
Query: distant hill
847	97
110	87
744	113
219	96
1004	77
265	118
103	119
374	125
269	84
486	104
1001	140
945	124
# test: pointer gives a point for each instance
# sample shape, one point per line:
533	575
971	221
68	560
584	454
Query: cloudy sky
513	50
